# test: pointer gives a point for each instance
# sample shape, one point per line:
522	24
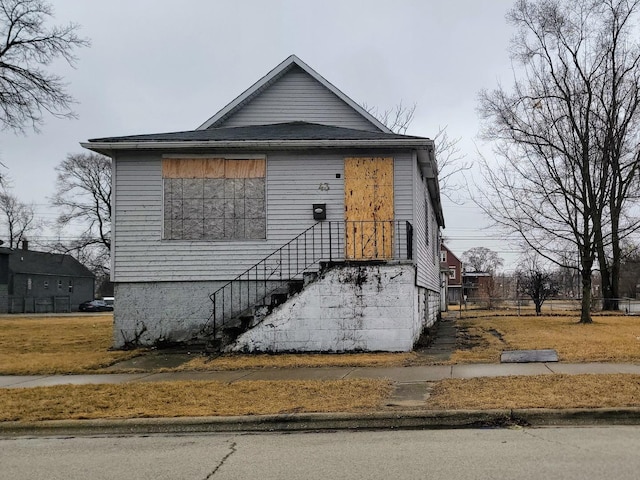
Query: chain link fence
627	306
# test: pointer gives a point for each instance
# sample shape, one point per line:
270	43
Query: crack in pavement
529	433
232	450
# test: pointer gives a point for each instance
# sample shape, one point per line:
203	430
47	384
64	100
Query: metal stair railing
324	241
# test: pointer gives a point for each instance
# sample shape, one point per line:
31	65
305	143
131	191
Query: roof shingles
274	132
43	263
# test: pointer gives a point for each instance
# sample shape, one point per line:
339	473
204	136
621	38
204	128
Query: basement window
214	198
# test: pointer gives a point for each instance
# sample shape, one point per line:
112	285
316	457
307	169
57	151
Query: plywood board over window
214	198
369	209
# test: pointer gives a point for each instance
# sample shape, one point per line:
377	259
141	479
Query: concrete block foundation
348	308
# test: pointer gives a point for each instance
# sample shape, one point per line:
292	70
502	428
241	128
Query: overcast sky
157	66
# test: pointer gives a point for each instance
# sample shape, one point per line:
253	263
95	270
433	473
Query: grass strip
610	338
191	398
309	360
538	391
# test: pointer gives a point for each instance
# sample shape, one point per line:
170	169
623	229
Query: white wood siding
428	275
295	181
296	96
402	186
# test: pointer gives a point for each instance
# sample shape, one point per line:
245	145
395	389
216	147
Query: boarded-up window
214	198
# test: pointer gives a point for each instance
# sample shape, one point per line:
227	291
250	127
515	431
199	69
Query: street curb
444	419
541	417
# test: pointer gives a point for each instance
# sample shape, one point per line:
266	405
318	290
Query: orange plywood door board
369	208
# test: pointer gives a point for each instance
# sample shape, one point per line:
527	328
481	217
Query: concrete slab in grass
528	356
409	395
153	361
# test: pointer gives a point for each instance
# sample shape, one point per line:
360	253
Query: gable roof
44	263
270	78
288	135
447	249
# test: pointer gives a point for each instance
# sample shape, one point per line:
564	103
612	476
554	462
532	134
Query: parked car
95	306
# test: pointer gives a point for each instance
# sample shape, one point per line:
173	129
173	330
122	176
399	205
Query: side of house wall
348	308
296	96
426	228
48	293
151	313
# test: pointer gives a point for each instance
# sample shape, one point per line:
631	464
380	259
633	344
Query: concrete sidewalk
404	410
399	375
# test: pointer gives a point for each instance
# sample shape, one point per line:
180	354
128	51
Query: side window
70	285
452	272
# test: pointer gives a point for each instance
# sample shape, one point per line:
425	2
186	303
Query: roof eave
429	169
102	147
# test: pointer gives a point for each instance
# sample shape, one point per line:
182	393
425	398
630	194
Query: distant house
291	220
41	282
477	286
452	265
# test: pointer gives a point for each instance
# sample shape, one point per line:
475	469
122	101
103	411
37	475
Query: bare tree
17	218
27	44
83	194
481	259
396	119
451	165
575	89
617	143
450	159
537	282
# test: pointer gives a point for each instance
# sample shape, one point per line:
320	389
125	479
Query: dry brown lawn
32	345
256	361
177	399
539	391
610	338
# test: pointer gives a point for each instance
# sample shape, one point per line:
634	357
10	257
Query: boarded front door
368	203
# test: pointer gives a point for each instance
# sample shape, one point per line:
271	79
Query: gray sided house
41	282
291	220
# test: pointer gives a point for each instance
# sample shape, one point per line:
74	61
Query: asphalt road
557	453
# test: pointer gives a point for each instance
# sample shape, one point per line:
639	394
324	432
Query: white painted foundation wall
348	308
